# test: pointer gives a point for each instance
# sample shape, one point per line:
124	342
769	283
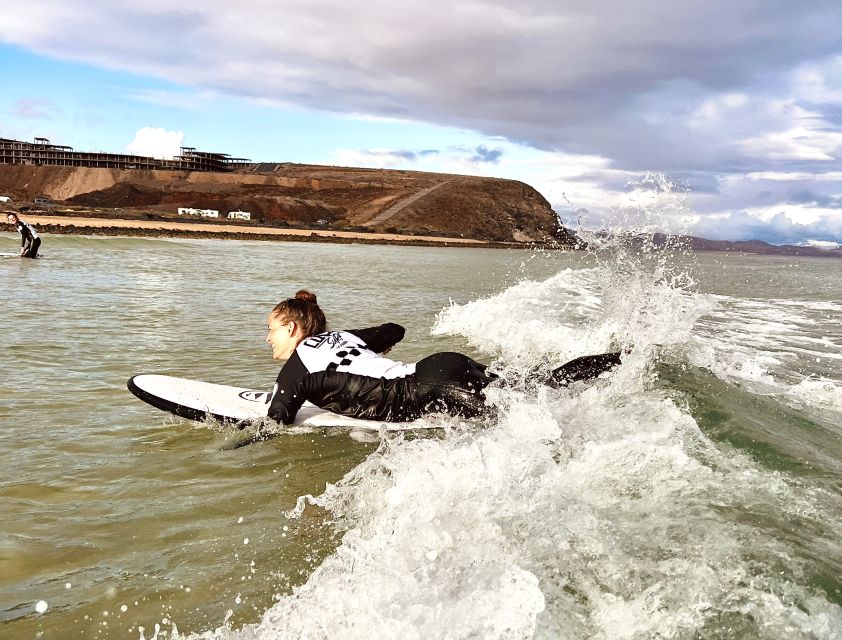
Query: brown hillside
291	194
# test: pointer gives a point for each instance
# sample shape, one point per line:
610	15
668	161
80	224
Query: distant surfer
30	242
344	371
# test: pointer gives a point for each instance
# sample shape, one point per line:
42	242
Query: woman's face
283	336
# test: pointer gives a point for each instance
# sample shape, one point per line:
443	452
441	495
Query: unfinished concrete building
42	152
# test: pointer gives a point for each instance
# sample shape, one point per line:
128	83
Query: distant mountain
757	247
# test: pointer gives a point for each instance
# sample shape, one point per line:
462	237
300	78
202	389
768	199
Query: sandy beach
116	226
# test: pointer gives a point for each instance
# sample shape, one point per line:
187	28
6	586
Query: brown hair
304	311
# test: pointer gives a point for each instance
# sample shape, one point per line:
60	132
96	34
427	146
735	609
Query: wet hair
303	310
13	214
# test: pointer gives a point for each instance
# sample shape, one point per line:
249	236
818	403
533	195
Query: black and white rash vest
27	232
342	371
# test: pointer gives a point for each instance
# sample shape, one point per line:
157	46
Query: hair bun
306	295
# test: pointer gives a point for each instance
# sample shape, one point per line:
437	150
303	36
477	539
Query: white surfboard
197	400
9	255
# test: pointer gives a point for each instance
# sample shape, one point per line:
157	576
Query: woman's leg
31	250
453	383
583	368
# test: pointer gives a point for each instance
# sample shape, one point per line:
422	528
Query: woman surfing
29	240
346	373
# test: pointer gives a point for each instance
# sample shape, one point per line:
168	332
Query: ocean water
695	492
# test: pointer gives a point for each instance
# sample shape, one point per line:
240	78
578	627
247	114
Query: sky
718	119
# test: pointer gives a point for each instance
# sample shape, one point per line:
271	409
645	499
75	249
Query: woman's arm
381	338
288	394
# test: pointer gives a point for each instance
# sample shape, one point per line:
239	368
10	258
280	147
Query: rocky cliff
290	194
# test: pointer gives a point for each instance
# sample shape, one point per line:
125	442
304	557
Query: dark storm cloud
618	79
816	199
405	154
484	154
394	155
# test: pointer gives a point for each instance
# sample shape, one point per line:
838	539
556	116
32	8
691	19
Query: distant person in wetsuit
344	371
29	242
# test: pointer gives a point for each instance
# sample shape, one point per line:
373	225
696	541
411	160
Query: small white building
239	215
205	213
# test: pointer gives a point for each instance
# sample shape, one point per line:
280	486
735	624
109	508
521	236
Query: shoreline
77	225
99	225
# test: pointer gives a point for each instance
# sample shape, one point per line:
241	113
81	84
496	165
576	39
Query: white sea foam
818	391
533	321
618	526
599	511
783	348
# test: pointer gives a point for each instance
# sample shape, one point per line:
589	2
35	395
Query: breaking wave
599	511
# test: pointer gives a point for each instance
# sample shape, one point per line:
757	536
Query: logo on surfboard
256	396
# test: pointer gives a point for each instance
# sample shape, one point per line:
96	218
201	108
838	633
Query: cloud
380	158
158	143
781	208
180	100
484	154
780	229
641	83
455	157
34	109
638	86
823	244
816	199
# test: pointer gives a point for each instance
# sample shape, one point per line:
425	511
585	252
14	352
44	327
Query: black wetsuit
29	239
342	372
